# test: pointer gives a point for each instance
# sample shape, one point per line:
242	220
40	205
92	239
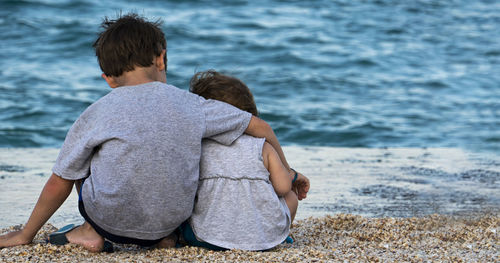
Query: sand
335	238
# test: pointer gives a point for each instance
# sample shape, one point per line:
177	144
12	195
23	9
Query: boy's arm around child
259	128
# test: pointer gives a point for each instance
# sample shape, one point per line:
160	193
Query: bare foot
168	242
15	238
86	236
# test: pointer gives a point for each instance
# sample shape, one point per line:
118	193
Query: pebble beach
336	238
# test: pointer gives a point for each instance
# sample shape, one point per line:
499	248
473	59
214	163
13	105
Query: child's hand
301	186
12	239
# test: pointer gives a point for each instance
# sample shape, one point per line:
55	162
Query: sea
362	78
368	73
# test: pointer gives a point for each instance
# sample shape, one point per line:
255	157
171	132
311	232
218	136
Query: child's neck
137	76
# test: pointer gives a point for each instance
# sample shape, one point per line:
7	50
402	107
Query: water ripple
333	73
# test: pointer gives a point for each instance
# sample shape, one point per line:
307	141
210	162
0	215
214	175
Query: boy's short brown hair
127	42
213	85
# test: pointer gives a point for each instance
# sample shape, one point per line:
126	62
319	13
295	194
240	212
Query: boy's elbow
57	184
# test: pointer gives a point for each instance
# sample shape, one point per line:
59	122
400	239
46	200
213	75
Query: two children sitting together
153	163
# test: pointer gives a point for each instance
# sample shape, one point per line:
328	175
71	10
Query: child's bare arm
259	128
280	177
53	195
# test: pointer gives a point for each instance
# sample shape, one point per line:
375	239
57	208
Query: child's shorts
189	237
111	237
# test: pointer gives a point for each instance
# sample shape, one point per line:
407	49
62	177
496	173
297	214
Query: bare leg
86	236
168	242
292	202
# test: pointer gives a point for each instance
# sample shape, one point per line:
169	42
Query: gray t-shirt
236	206
139	148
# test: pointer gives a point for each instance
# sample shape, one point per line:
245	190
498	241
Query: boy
134	154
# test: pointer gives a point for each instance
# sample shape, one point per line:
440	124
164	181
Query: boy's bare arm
301	186
259	128
53	195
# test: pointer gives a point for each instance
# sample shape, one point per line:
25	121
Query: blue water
330	73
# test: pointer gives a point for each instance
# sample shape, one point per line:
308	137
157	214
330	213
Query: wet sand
336	238
393	182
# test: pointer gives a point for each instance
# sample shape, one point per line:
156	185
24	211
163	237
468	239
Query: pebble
333	238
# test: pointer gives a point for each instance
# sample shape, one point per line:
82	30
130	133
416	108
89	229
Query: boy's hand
301	186
15	238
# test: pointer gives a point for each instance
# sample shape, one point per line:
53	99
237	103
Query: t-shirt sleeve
73	161
224	123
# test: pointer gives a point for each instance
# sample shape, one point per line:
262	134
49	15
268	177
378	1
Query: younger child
245	198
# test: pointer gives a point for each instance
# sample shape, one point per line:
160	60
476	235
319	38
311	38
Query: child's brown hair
214	85
127	42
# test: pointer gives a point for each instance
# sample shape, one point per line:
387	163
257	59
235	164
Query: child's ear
160	61
110	80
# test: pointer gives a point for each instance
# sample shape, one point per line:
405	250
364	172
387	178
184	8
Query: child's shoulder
251	140
245	145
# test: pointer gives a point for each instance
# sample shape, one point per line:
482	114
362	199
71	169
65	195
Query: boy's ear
160	60
110	80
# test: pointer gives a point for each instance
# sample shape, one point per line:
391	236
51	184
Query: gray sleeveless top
236	205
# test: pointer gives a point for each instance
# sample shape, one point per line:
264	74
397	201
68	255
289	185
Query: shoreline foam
378	182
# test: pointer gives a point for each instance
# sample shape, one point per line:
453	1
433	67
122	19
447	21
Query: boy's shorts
111	237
